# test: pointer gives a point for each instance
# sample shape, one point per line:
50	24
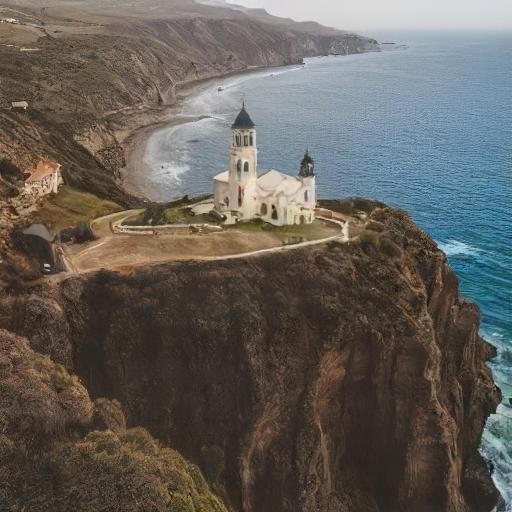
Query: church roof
243	121
276	183
44	168
223	176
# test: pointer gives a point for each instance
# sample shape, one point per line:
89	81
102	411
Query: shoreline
134	141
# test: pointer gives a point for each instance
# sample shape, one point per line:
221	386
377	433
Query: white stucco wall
44	186
293	198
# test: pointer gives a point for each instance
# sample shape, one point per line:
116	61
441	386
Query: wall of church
244	155
221	196
280	212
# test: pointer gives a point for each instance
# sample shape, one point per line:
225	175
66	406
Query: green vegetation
161	214
175	212
289	234
70	207
10	178
352	206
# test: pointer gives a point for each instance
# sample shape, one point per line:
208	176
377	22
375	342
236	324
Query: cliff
344	377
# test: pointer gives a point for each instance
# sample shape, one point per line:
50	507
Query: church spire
243	120
307	166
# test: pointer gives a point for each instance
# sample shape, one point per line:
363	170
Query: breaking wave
455	248
496	446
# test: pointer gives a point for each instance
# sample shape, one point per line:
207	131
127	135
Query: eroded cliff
344	377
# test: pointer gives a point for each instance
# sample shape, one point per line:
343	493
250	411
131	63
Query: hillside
92	71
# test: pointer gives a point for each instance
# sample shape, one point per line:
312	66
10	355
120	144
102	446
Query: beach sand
134	139
134	127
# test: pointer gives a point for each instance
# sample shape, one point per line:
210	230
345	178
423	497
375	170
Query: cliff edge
341	377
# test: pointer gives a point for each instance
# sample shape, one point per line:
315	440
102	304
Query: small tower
243	161
307	166
307	175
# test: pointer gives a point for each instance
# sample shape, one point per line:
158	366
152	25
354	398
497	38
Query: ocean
425	125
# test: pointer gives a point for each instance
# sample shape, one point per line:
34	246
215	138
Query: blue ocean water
425	126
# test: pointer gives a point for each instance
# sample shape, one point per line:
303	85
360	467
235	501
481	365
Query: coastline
134	140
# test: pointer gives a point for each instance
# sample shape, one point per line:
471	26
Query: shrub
369	239
154	214
108	415
131	472
181	503
373	225
380	242
9	171
389	248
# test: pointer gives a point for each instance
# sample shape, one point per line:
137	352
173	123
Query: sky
394	14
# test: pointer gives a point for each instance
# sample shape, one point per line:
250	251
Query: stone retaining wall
168	229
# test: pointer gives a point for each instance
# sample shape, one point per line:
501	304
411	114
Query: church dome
243	121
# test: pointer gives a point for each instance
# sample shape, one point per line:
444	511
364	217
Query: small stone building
19	105
243	193
45	179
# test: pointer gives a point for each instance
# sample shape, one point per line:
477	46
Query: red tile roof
44	168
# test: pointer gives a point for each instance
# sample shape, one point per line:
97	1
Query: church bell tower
243	161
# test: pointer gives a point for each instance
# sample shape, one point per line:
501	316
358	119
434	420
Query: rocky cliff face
345	377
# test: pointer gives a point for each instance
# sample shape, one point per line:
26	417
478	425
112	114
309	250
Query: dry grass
18	34
44	414
130	472
285	234
127	251
69	207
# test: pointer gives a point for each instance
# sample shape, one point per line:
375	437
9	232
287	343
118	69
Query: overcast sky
394	14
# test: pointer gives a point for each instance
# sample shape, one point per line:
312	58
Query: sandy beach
134	141
136	128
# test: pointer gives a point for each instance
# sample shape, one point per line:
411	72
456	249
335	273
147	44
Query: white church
242	193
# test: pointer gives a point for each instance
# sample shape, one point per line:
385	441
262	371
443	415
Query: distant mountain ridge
95	61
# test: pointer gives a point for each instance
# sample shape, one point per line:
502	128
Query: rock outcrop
344	377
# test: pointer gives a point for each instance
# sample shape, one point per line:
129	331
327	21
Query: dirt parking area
117	252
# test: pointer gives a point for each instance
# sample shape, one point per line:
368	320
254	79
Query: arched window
251	139
238	140
306	196
274	212
239	170
240	197
246	140
263	209
246	167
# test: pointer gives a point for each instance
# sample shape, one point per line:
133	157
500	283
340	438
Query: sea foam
456	248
